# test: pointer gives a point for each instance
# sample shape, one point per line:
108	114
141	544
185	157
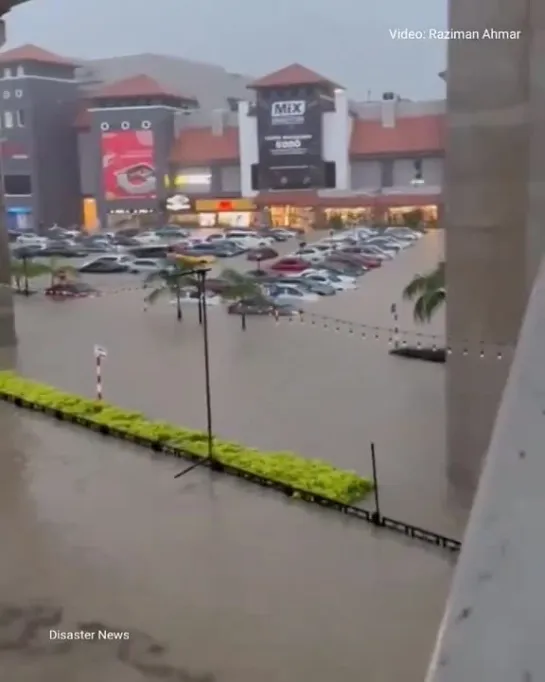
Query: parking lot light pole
201	274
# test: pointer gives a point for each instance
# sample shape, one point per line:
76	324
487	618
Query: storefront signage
224	205
128	169
178	203
290	143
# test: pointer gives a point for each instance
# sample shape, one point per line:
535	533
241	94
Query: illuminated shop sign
190	179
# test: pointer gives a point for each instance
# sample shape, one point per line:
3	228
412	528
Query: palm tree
171	281
24	269
428	293
238	287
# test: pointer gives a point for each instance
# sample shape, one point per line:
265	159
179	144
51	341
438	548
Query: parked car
404	232
262	253
30	239
63	249
93	245
147	238
192	257
146	265
349	258
331	280
172	232
194	297
276	234
312	254
27	251
248	238
334	276
158	251
366	259
127	242
107	264
261	307
289	264
227	249
342	268
290	293
71	290
315	287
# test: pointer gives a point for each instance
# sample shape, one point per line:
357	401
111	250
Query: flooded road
240	584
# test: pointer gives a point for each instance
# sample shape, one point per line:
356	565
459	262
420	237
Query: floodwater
238	583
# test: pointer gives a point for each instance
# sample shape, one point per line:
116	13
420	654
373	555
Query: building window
8	119
18	185
20	118
7	72
20	70
387	173
6	94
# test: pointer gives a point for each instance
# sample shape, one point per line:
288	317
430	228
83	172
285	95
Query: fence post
377	515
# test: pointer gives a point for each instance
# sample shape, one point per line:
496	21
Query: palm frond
421	284
427	304
157	293
239	286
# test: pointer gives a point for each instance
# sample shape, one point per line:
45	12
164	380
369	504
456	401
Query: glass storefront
292	216
385	216
226	219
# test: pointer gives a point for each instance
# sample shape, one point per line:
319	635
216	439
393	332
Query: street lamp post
201	275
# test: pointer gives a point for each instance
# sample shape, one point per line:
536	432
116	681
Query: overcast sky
346	40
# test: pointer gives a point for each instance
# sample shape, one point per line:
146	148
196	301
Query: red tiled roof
31	53
294	74
200	145
411	134
136	86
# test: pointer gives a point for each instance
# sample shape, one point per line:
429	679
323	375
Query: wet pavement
240	584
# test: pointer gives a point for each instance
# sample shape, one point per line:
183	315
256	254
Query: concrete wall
494	190
492	630
369	174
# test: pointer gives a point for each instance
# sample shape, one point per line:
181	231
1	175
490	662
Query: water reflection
239	583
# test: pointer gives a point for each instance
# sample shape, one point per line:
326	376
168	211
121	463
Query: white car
332	280
312	254
192	296
147	238
404	233
109	258
290	294
30	240
347	279
144	265
248	239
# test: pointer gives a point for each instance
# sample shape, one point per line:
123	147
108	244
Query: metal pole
393	310
178	301
208	389
98	365
25	275
243	321
376	515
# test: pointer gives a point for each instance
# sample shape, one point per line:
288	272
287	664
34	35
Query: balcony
493	626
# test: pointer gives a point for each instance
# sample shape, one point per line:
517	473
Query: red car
289	264
64	290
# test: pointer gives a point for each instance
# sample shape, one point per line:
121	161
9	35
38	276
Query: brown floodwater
238	583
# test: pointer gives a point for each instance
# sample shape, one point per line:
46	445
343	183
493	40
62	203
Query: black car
260	307
342	268
172	232
105	266
122	240
226	249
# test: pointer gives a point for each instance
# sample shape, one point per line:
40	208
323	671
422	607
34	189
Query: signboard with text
290	143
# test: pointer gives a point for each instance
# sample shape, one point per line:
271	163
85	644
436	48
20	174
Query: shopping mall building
103	141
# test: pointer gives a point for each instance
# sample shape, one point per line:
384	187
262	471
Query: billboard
128	168
290	143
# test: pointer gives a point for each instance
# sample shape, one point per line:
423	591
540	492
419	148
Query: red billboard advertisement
128	170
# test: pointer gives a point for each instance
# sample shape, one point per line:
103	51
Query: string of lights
395	337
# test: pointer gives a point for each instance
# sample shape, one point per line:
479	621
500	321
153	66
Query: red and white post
99	354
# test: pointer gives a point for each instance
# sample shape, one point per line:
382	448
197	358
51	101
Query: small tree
336	222
171	281
239	287
428	293
25	269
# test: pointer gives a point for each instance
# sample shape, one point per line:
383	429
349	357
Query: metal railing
493	627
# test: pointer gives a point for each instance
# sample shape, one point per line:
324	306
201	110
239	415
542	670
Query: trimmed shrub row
306	475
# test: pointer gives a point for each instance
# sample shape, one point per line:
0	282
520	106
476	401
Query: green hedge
313	476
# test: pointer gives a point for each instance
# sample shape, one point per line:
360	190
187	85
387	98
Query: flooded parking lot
240	584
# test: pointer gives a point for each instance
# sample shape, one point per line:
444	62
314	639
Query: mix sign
288	112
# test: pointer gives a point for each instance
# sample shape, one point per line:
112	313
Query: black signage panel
290	143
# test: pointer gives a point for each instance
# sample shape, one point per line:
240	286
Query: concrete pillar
488	215
7	321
